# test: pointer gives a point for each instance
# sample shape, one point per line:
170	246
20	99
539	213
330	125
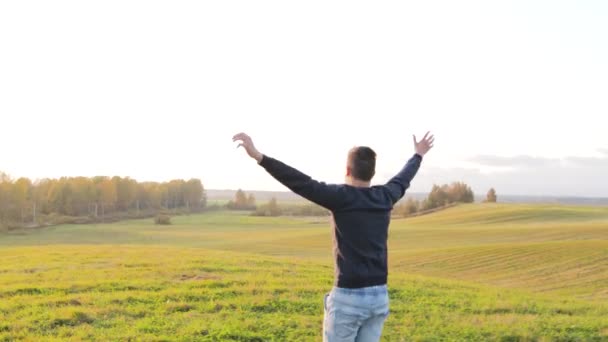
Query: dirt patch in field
198	277
71	302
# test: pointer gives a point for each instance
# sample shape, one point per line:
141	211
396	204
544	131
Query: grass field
474	272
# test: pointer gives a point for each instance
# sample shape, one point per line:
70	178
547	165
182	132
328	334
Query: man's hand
425	144
247	143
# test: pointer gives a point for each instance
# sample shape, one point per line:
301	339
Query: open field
474	272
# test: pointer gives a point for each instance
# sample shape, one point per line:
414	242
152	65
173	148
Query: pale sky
516	92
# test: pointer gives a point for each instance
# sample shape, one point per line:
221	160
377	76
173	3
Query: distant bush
272	208
55	218
162	219
215	207
409	208
491	196
308	210
233	206
269	209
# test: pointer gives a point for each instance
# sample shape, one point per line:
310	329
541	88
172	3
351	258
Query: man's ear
349	171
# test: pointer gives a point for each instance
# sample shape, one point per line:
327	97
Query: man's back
359	235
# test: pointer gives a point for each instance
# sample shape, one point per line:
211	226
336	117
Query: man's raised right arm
397	186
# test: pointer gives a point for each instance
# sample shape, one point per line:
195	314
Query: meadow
479	272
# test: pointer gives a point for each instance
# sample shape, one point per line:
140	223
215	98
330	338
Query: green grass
474	272
572	268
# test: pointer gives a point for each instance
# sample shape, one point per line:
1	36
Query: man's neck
358	183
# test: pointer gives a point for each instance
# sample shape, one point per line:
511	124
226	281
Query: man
358	304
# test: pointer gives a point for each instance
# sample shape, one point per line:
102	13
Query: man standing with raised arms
358	304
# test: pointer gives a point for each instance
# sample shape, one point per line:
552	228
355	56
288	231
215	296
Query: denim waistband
363	291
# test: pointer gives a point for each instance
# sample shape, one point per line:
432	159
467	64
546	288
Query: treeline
273	208
247	202
441	196
24	203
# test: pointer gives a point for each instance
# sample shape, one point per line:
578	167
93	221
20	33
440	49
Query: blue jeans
355	315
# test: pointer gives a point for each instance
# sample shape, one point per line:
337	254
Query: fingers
428	138
431	141
241	136
415	141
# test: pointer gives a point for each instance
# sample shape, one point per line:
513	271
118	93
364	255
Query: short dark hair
362	163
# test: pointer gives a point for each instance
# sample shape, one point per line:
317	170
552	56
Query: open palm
424	145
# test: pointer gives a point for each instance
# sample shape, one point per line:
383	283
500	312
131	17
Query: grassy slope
221	230
540	248
231	277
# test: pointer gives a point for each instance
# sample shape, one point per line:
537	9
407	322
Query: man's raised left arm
326	195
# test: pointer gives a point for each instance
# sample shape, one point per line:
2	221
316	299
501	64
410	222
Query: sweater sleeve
328	196
397	186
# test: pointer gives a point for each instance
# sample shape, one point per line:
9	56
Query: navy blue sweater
361	217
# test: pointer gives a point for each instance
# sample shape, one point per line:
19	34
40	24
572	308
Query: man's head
360	165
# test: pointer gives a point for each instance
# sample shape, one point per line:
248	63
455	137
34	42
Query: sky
516	92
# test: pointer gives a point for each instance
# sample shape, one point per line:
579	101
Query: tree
269	209
491	196
251	201
126	192
84	194
5	196
151	195
438	197
107	195
460	192
40	198
22	193
176	194
443	195
411	206
241	201
59	197
194	194
273	207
